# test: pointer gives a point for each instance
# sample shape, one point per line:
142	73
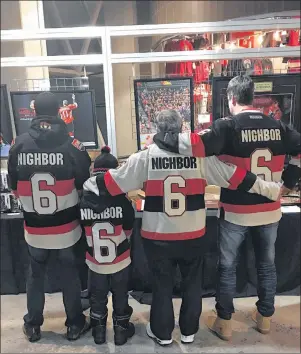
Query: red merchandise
294	38
201	72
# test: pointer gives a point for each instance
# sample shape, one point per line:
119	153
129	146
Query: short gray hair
169	120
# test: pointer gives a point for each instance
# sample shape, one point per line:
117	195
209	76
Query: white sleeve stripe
185	147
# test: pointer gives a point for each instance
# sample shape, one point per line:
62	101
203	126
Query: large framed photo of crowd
277	96
155	95
6	133
77	110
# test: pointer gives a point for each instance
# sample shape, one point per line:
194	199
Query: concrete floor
284	338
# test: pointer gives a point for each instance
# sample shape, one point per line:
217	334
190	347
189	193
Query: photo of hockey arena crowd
150	176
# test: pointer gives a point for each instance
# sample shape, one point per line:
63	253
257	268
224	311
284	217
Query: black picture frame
90	145
175	78
7	131
284	84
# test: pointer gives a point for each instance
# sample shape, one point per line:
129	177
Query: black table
14	260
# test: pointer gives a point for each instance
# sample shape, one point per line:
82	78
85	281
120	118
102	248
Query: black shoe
123	333
123	329
33	334
99	334
74	332
99	329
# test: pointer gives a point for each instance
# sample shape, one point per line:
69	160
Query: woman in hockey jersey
108	224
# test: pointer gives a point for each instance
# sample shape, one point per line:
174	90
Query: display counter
14	259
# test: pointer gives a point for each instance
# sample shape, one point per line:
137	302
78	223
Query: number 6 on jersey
44	200
104	248
174	203
262	171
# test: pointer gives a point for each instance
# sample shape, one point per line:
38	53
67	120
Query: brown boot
263	323
222	328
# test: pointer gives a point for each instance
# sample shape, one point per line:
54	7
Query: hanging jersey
107	232
66	113
46	174
174	188
251	141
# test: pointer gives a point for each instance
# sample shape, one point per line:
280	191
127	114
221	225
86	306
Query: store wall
22	15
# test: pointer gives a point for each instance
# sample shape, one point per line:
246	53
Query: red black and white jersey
46	169
174	186
108	224
252	141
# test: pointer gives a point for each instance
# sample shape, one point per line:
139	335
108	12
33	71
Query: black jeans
231	236
101	284
163	258
70	285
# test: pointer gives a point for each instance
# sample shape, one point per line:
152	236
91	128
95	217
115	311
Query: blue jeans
231	236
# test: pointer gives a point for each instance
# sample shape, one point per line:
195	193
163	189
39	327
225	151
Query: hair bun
105	149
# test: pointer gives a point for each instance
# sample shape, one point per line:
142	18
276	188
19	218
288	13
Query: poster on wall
155	95
6	133
276	96
77	110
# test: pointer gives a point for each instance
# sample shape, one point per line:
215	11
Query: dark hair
242	89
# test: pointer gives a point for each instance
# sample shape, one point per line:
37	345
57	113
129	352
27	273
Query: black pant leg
191	308
99	289
71	287
119	289
162	267
80	249
35	286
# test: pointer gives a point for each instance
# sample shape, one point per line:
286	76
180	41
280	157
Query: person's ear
233	101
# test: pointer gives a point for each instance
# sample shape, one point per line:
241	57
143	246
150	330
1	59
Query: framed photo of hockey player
155	95
77	110
277	96
7	129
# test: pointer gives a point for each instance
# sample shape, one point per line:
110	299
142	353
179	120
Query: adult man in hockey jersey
258	143
173	224
46	169
108	224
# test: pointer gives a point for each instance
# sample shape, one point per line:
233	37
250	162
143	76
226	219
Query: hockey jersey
253	142
108	224
46	169
66	113
174	186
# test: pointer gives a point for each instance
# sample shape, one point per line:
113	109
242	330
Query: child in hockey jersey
108	224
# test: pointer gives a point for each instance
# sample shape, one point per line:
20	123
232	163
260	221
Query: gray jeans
231	236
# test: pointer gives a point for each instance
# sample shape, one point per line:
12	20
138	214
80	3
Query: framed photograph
277	96
155	95
6	133
77	110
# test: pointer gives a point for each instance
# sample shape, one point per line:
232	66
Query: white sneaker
162	342
187	339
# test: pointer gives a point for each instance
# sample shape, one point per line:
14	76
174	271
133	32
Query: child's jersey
108	224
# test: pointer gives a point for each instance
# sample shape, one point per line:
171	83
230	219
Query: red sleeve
72	106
